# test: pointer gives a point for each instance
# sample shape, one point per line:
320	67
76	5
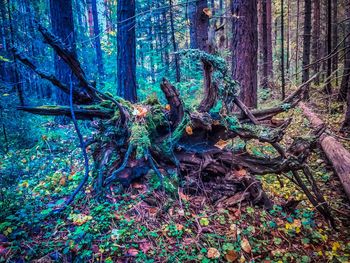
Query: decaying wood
334	150
131	140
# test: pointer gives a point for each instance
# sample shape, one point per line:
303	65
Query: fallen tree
334	150
133	139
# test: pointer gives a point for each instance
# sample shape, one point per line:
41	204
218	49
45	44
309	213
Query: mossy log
197	146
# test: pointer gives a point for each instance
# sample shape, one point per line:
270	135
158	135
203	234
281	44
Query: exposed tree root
132	139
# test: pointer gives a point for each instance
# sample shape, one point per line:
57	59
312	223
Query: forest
175	131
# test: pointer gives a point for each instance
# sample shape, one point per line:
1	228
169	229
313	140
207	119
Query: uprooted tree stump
132	139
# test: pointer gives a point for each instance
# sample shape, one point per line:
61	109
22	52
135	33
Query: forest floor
147	225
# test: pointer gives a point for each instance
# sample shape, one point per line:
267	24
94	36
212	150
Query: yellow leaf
189	130
246	246
221	144
167	107
213	253
335	246
208	12
5	94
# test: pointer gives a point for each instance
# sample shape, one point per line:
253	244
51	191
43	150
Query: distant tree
335	39
174	44
63	27
328	87
283	81
345	82
316	34
95	33
244	49
199	24
306	44
297	42
126	50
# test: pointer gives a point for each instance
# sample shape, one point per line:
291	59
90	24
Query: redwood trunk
126	48
306	44
244	49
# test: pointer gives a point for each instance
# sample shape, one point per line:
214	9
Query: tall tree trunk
283	82
96	35
316	33
63	27
328	87
269	38
16	80
126	50
264	38
345	86
244	49
297	42
173	40
306	45
288	39
199	24
335	38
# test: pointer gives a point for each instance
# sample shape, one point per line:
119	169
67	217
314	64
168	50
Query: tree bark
63	27
283	82
328	87
316	34
335	152
96	36
199	24
306	44
244	49
173	38
126	49
335	38
345	86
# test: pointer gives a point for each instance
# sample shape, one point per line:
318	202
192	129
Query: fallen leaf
240	173
246	246
213	253
221	144
204	221
189	130
132	252
145	246
167	107
231	256
63	181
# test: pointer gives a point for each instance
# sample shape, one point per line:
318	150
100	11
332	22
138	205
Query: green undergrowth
143	224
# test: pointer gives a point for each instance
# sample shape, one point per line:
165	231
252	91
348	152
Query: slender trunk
126	50
283	82
173	39
316	32
17	83
269	38
288	39
306	45
328	88
297	42
344	85
335	38
96	34
244	49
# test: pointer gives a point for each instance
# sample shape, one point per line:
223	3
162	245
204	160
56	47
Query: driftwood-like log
334	150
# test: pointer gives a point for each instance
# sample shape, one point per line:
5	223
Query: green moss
140	139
